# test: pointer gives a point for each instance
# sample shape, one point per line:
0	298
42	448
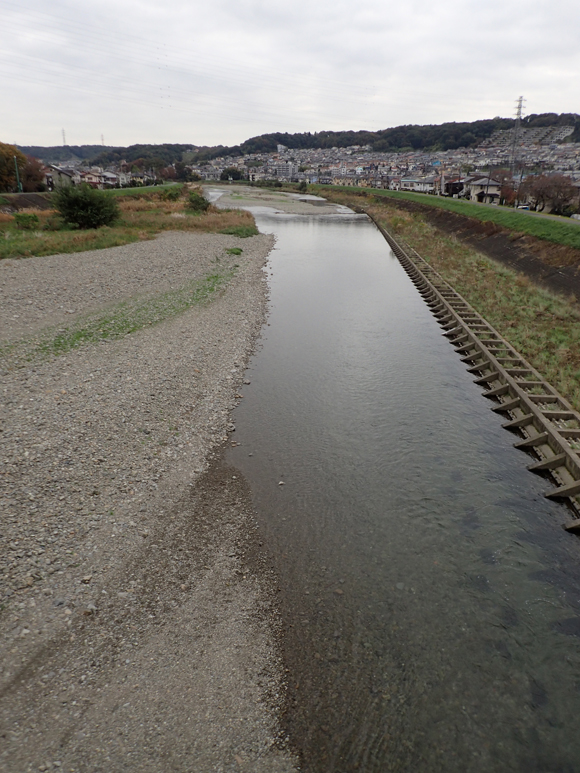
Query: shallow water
430	598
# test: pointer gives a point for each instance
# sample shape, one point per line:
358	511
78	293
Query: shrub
55	223
197	202
26	221
171	194
86	207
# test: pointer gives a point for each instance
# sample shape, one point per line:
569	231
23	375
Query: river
430	598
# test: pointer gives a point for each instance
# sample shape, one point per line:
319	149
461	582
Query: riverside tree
555	189
231	173
7	169
32	176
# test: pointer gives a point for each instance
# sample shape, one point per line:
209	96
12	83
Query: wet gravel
137	628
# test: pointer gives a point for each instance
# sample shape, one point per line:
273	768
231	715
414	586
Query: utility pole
18	183
488	180
516	133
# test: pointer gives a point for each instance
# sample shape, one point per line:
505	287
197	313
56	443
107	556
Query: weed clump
26	221
197	203
243	231
86	207
170	194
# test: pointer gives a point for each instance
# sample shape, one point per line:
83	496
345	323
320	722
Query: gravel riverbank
137	627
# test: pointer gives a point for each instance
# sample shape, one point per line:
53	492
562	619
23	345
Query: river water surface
431	601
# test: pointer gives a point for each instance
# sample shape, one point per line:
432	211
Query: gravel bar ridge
138	631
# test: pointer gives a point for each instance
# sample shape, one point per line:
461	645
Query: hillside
446	136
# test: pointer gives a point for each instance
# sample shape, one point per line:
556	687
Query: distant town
487	173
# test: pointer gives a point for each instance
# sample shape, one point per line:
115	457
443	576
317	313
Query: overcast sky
220	71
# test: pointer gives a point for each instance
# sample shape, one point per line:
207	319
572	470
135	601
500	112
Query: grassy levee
544	328
560	232
145	212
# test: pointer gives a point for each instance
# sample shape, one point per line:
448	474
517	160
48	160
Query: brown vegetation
143	217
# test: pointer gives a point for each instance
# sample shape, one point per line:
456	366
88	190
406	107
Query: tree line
430	137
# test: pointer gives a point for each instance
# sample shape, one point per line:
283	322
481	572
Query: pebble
103	437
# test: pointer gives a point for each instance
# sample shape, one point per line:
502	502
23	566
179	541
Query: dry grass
142	218
544	328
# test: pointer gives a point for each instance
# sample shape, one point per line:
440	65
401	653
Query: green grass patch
243	231
142	189
25	244
234	251
117	322
564	232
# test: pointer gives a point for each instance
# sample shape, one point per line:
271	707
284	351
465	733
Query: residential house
94	178
483	189
418	184
57	177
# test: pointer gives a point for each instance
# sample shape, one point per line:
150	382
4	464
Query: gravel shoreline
138	631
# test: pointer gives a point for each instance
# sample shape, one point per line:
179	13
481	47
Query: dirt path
138	629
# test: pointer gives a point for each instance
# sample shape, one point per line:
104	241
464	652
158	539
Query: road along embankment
138	631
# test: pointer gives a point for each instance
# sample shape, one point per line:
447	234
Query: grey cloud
142	70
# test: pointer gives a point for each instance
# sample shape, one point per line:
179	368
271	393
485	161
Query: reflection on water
431	600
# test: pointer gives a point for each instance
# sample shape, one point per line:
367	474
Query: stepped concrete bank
549	426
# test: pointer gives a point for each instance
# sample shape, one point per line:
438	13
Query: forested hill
446	136
63	153
152	155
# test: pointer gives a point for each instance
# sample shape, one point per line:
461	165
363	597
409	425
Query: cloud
147	71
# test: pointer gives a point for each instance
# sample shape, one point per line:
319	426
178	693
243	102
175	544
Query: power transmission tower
516	134
63	137
102	139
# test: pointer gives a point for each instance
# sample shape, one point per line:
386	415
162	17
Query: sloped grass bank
564	232
544	328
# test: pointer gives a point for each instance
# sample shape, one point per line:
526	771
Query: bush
55	223
171	194
197	202
26	221
86	207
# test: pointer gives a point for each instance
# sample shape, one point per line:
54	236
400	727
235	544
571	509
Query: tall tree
7	169
554	189
32	176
